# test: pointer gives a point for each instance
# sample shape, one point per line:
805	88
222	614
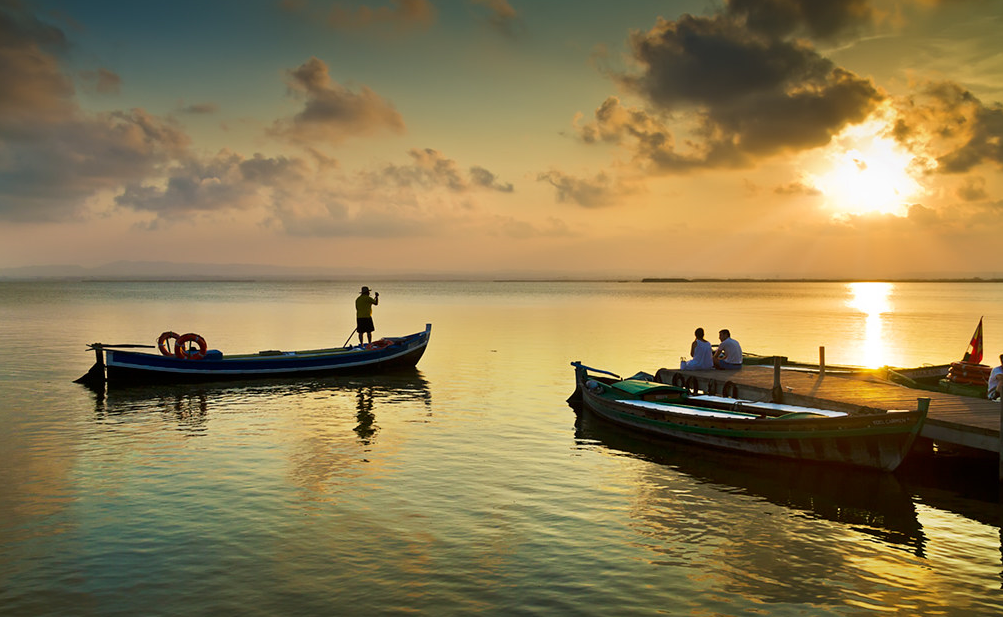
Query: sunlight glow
872	300
869	172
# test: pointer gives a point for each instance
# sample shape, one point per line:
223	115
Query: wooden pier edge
953	421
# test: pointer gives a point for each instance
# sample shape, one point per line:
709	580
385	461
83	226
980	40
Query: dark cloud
430	168
952	126
54	157
35	91
727	89
821	20
225	182
332	112
49	174
400	16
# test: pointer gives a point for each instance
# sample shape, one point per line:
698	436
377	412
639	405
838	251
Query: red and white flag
974	352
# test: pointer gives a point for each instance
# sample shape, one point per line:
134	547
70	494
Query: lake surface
468	486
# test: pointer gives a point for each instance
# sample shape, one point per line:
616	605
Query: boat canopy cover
636	387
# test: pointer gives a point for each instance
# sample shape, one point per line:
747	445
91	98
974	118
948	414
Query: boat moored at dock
872	440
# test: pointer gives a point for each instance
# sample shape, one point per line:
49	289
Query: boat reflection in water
870	502
192	405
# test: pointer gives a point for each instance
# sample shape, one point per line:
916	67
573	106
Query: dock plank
953	419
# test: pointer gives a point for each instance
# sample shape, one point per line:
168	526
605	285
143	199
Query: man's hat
365	289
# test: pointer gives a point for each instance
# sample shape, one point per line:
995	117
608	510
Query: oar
350	337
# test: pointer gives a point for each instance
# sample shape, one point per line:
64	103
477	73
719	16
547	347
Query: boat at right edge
870	440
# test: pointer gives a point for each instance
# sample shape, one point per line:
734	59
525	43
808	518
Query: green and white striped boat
877	441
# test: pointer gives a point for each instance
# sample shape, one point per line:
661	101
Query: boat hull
879	441
125	368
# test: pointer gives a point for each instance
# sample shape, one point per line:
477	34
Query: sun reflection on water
872	299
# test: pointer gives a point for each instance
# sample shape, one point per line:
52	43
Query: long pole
350	337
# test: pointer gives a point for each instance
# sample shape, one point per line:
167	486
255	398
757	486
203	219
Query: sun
867	172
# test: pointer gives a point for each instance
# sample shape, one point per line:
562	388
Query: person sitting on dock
729	353
700	352
994	381
364	313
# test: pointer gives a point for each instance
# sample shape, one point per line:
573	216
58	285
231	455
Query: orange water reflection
873	300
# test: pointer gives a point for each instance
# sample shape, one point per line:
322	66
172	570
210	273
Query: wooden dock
951	422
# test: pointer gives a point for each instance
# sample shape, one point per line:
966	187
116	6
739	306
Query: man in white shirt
729	353
994	381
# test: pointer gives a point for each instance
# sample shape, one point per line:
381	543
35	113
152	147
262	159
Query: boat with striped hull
876	440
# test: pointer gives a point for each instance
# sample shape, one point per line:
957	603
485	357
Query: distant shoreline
434	279
824	280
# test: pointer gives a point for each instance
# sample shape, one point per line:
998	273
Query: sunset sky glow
741	138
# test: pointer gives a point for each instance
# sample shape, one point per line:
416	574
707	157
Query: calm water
468	487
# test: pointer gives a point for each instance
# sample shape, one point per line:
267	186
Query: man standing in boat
729	353
364	313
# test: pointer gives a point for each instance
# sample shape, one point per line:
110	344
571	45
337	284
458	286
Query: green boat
876	440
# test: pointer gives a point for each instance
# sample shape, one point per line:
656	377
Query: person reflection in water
701	354
729	352
364	414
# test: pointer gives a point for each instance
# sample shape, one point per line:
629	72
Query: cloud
752	94
819	20
200	108
35	91
502	17
332	113
53	156
726	90
103	81
973	189
798	187
652	141
429	168
596	192
951	126
227	181
307	197
484	178
290	195
401	16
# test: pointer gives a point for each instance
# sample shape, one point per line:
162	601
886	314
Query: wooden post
778	391
821	361
94	378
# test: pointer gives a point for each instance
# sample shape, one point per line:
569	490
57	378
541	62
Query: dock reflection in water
781	533
874	503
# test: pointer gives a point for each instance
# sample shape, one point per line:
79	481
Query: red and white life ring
380	344
191	346
968	373
167	343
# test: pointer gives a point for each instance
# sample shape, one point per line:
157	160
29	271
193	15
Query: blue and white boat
119	366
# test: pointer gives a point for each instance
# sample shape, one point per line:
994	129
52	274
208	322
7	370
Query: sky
726	138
